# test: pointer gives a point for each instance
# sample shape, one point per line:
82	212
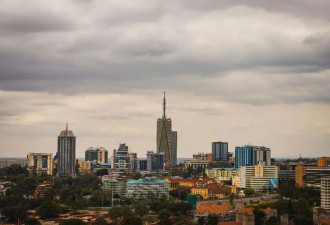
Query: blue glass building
245	156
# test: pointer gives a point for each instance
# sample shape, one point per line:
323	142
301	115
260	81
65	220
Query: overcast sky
254	72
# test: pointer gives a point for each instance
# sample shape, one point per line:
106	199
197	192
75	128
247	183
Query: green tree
164	217
32	221
132	220
182	220
72	222
303	220
116	212
49	210
102	172
249	191
259	217
212	219
141	209
201	221
272	221
15	213
100	221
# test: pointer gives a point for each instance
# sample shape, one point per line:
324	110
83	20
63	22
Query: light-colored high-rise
40	163
174	156
164	135
325	193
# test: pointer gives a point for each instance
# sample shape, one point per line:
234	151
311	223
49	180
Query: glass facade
220	151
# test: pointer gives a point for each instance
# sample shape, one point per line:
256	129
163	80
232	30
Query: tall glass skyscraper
66	153
249	155
155	161
174	148
220	151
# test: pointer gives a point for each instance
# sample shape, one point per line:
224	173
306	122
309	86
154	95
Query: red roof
231	223
213	209
188	180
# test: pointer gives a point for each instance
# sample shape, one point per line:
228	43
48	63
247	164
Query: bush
72	222
32	221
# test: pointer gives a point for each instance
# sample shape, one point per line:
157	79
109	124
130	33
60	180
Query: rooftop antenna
164	106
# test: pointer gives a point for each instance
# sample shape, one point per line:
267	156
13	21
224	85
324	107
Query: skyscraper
263	156
164	135
155	161
121	159
220	151
66	153
249	155
174	154
99	155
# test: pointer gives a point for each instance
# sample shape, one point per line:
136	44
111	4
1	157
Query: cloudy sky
244	72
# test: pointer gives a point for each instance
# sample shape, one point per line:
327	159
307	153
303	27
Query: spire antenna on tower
164	106
66	126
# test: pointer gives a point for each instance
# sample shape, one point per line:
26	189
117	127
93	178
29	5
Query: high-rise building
325	193
121	159
66	153
174	148
258	177
99	155
155	161
40	163
263	156
220	151
164	135
249	155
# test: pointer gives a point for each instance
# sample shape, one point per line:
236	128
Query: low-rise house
224	211
269	212
245	216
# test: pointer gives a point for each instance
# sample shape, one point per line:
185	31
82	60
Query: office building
223	174
310	175
195	163
66	153
259	177
8	162
263	156
155	161
115	184
212	191
325	193
220	151
121	159
39	163
141	164
164	135
203	156
176	183
174	154
323	161
99	155
147	186
249	155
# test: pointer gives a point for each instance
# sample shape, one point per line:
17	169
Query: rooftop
217	209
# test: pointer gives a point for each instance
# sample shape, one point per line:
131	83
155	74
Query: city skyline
228	74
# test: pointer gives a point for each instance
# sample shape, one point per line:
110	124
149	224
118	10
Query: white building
40	163
149	185
258	177
8	162
325	194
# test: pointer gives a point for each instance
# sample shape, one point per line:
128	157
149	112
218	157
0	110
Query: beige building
258	177
84	167
194	163
40	163
8	162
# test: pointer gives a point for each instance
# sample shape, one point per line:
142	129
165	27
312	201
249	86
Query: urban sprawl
244	187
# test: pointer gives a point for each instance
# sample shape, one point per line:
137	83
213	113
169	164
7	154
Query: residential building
220	151
323	161
310	175
99	155
236	181
225	212
66	153
245	216
195	163
259	177
174	154
39	163
269	212
84	166
42	190
148	186
176	183
8	162
224	174
164	135
121	159
212	191
249	155
325	193
155	161
115	184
